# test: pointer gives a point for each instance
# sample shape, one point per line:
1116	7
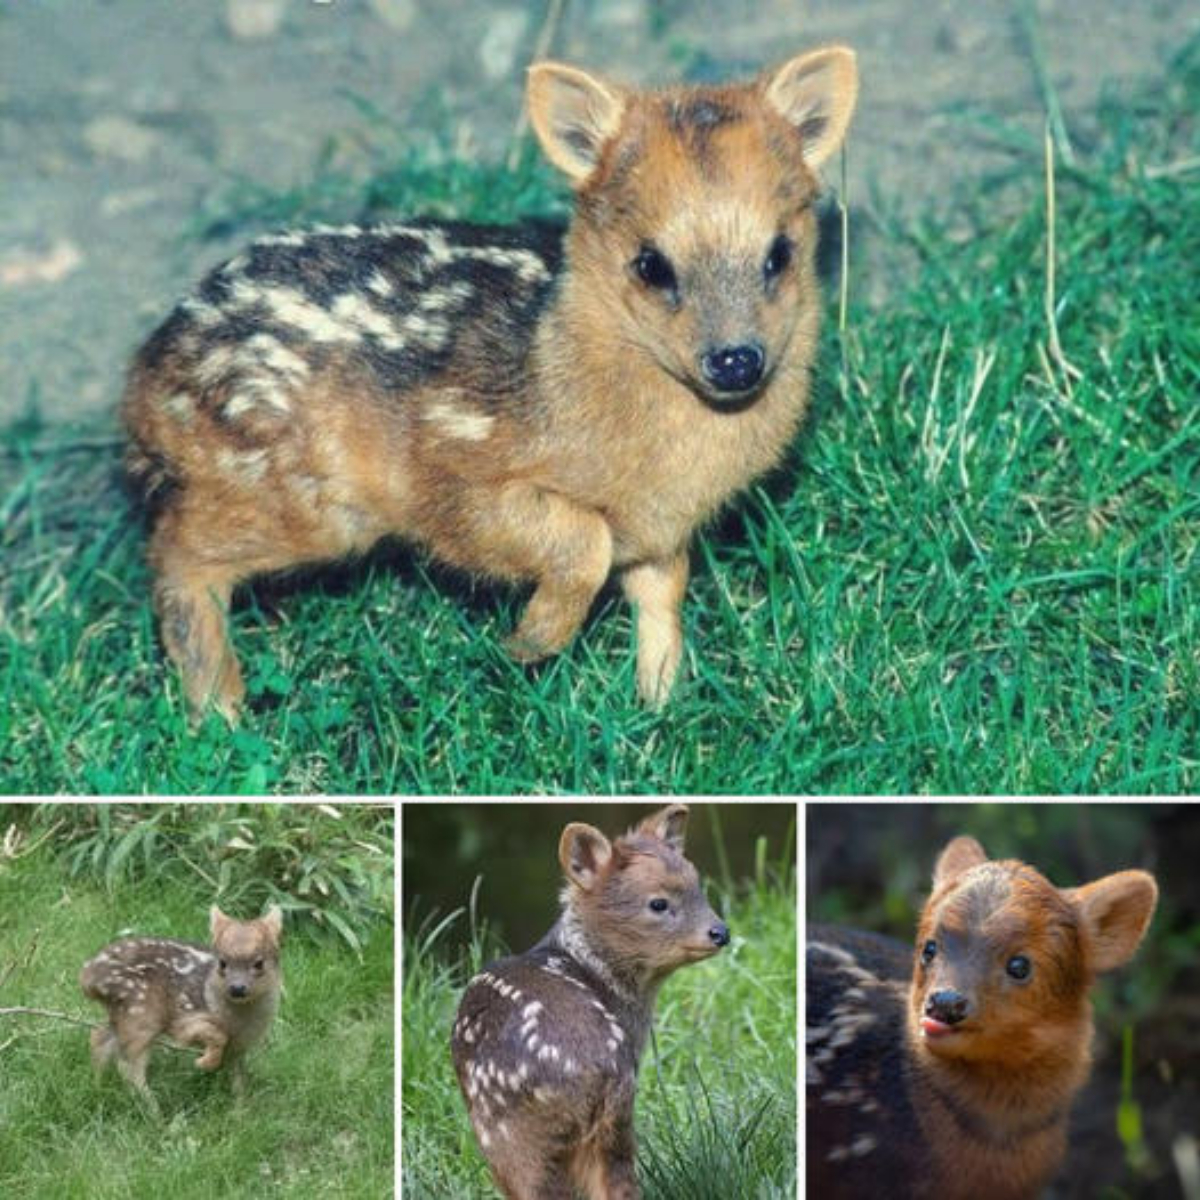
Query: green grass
716	1107
317	1117
978	572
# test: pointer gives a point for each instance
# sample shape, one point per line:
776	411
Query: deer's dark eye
659	905
929	952
222	964
259	964
778	258
654	269
1019	967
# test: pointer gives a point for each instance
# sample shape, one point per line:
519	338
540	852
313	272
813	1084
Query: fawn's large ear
573	114
583	852
816	93
668	825
217	921
1115	912
272	921
960	855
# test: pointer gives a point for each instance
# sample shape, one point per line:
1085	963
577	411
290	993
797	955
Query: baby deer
547	1043
221	997
525	403
949	1072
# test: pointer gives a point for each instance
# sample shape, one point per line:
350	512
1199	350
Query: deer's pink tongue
931	1027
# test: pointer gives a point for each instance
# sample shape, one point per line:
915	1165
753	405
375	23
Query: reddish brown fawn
948	1073
547	1043
524	403
221	998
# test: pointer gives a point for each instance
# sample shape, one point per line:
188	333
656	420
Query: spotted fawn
528	403
221	998
547	1043
949	1072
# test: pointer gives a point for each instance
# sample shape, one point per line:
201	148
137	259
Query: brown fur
547	1043
221	998
535	419
961	1088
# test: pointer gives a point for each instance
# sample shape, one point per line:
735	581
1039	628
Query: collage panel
541	940
196	1000
1001	1000
616	396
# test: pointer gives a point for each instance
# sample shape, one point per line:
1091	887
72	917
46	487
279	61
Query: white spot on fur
458	422
291	307
356	312
381	285
524	263
270	352
289	238
859	1148
201	311
181	406
454	295
251	466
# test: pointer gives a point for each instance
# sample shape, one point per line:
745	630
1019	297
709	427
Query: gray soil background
120	120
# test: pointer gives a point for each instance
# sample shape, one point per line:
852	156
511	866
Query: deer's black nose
719	934
238	990
734	368
948	1006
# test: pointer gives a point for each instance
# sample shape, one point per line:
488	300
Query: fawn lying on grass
221	997
949	1074
547	1043
525	404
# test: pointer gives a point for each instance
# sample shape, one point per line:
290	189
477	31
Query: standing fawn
948	1074
525	403
221	998
547	1043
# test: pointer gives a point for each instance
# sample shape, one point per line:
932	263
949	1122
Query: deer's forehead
658	868
242	941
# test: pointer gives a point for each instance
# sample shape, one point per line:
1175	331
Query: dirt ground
119	119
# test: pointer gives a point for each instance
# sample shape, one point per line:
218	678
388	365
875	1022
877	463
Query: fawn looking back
221	997
547	1043
949	1073
526	405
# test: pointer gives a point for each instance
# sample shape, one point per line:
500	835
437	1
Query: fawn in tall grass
948	1073
547	1043
221	998
526	403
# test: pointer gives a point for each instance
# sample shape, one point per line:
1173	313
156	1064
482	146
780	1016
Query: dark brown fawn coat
948	1074
524	406
547	1043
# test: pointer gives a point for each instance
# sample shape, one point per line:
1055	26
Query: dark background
514	847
